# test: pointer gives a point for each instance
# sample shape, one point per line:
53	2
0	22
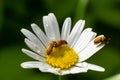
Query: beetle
50	47
101	40
60	42
53	44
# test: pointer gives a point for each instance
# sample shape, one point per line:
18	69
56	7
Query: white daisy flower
63	53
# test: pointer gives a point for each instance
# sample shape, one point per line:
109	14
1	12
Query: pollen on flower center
62	57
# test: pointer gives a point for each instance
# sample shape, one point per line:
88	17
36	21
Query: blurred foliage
80	9
1	13
102	15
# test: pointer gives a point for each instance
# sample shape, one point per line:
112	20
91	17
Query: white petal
35	48
55	24
84	39
82	64
48	28
40	34
32	37
95	68
90	66
47	68
75	70
51	27
41	66
31	64
66	29
89	51
33	55
75	33
64	72
80	68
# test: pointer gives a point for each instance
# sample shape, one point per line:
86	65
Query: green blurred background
102	15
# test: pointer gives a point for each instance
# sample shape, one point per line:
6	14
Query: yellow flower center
62	57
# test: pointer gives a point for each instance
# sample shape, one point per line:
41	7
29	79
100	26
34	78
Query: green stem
60	77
